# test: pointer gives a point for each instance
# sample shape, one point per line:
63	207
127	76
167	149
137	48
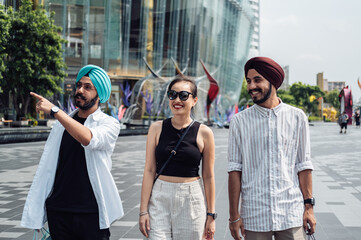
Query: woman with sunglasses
180	204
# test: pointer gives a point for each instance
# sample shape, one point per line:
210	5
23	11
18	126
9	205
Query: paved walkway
337	183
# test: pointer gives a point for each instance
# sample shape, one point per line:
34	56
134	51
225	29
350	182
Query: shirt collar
265	112
95	115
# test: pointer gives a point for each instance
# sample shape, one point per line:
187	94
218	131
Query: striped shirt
270	146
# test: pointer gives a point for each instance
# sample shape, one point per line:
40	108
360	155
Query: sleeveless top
188	157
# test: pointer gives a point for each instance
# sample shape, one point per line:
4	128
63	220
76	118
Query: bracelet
143	213
234	220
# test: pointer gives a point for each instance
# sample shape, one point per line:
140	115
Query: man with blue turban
73	189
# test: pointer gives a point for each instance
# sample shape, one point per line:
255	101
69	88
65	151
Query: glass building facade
119	35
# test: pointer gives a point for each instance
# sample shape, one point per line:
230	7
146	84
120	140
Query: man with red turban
269	162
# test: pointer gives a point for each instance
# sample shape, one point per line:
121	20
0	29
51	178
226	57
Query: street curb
23	135
18	135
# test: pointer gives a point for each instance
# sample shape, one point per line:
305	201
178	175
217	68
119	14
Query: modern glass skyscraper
255	39
119	34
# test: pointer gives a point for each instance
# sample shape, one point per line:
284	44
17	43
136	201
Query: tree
4	35
34	59
332	98
302	93
286	97
244	98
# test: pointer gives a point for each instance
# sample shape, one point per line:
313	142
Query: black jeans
75	226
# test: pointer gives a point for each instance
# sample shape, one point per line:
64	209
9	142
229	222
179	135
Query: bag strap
35	235
173	152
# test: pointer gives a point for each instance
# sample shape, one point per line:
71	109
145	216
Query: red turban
268	68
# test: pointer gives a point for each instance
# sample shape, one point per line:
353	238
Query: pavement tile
335	203
10	234
337	183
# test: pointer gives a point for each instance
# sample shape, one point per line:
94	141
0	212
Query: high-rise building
321	82
286	82
336	85
255	37
327	86
119	35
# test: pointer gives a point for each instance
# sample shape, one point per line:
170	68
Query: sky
313	36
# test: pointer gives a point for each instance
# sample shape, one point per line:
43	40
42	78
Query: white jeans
177	211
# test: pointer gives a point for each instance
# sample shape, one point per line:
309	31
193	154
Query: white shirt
105	131
270	146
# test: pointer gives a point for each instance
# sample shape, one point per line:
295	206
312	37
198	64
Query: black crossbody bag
173	152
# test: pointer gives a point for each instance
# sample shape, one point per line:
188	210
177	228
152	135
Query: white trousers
296	233
177	211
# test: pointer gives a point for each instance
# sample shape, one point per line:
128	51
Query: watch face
55	109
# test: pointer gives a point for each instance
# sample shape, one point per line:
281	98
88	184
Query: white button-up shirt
105	131
270	147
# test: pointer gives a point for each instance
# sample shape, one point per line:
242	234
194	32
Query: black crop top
188	158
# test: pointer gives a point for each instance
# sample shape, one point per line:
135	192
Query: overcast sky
313	36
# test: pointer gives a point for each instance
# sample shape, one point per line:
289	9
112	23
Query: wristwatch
53	110
309	201
213	215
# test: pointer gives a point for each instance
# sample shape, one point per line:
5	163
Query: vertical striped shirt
270	147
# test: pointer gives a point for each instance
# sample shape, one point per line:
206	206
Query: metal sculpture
345	98
136	93
149	94
212	91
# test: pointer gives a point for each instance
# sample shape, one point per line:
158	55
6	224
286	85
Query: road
336	180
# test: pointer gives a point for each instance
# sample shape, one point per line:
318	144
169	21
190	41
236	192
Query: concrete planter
22	123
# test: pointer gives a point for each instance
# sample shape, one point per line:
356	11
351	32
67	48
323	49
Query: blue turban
99	79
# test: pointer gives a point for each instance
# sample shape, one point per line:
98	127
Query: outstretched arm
77	130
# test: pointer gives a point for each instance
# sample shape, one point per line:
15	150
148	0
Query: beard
265	97
87	104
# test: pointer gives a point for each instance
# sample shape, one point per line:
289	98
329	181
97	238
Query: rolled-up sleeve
234	146
104	135
303	161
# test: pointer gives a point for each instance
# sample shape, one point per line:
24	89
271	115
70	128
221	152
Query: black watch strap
309	201
214	215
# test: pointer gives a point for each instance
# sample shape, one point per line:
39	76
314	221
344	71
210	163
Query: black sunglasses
183	95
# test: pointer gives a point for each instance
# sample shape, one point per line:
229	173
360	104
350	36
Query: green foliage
33	122
4	35
286	97
314	118
302	93
33	59
332	98
299	96
244	98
